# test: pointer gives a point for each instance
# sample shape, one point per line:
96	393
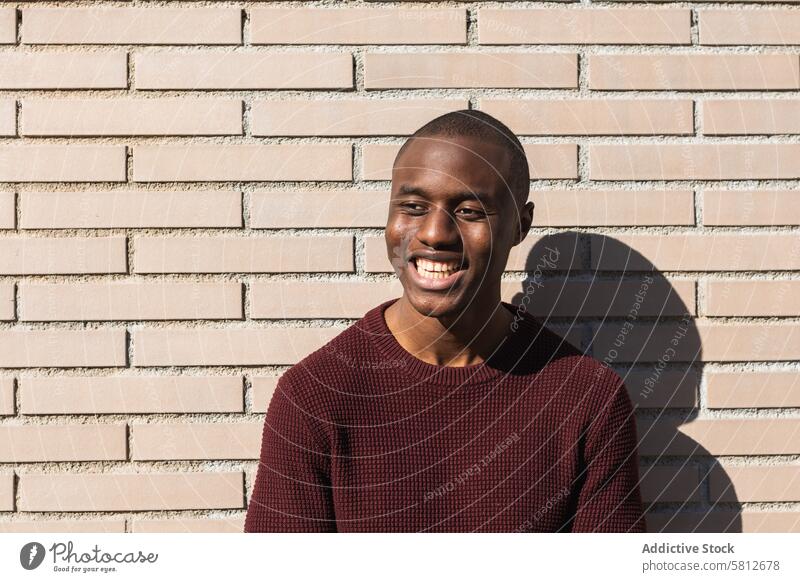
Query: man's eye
413	206
470	212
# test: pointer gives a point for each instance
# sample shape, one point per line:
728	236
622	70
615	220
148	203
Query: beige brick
698	341
319	299
7	210
6	396
173	441
130	300
612	207
263	389
8	117
62	163
211	69
693	72
565	254
6	301
729	297
198	525
724	521
8	25
728	161
6	492
746	207
670	483
470	70
746	389
552	161
65	442
68	117
130	394
131	25
765	483
358	25
695	252
767	436
334	117
131	492
662	387
743	27
583	26
64	526
318	208
545	161
227	347
62	255
64	70
242	162
62	348
750	342
131	209
560	297
775	522
593	116
751	116
230	254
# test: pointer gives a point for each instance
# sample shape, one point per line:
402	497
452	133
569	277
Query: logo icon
31	555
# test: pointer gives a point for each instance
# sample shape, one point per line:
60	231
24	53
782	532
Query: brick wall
192	196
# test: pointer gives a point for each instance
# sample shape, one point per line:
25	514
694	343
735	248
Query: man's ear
525	221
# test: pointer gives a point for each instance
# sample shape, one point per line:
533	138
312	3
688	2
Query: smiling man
447	409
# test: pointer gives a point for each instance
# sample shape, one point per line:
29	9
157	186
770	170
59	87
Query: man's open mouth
435	275
436	269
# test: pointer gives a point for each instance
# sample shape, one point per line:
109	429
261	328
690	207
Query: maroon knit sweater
361	436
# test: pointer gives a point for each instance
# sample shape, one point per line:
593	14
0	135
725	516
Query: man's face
452	222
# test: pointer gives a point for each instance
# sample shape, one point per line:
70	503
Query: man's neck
462	340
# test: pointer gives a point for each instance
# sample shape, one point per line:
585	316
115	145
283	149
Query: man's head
458	205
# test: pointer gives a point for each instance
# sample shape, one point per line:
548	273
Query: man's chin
437	304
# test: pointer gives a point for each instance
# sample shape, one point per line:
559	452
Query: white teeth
436	269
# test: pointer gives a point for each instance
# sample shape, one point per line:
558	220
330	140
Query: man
449	410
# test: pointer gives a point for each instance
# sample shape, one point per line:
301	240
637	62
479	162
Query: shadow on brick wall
610	301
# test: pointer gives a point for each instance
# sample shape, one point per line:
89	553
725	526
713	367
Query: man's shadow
611	302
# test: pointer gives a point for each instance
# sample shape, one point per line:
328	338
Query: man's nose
439	228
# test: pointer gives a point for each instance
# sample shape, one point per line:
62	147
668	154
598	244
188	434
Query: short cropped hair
481	125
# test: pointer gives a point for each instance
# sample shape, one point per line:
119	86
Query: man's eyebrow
407	189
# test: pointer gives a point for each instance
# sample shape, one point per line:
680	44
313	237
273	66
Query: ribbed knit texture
361	436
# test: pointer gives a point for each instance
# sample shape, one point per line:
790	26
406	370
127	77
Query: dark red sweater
361	436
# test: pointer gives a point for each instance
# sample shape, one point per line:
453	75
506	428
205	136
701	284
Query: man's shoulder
590	382
567	364
537	346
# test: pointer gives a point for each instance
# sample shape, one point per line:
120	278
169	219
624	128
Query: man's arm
292	491
610	499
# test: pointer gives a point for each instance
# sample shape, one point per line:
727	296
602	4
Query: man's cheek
395	249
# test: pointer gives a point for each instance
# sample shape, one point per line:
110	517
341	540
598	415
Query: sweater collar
511	351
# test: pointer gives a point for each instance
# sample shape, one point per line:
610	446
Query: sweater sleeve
292	491
610	499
